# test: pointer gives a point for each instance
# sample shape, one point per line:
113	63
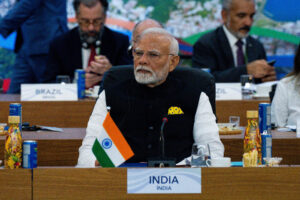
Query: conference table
233	183
61	148
71	114
56	177
49	113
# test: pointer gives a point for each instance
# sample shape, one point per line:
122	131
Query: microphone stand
162	161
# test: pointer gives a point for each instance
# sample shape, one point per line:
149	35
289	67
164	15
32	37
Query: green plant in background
160	12
162	9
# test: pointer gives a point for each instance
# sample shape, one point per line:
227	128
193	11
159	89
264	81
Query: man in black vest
138	105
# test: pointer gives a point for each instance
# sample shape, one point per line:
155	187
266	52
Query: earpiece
85	45
98	43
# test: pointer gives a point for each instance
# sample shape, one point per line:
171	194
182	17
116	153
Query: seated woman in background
285	109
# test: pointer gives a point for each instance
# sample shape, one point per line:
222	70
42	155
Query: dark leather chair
272	92
195	78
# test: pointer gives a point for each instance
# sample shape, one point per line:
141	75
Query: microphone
162	161
162	138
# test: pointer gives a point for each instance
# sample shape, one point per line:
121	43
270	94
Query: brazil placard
49	92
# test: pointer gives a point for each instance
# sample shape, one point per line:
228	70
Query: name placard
163	180
49	92
228	91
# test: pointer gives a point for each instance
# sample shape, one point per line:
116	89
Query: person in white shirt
139	103
285	108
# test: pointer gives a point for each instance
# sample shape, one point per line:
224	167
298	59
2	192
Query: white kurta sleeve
279	107
205	127
86	157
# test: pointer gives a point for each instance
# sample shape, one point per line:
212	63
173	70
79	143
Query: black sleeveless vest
138	111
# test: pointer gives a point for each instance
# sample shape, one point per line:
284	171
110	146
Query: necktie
92	55
239	53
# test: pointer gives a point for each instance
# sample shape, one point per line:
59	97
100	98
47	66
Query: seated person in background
77	48
140	27
37	22
229	51
139	103
285	108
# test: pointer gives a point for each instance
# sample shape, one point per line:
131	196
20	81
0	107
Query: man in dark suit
229	51
38	22
140	26
91	46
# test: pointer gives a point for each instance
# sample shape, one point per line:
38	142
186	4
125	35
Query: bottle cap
13	119
252	114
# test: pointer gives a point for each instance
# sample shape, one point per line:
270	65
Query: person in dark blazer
139	27
38	22
74	49
219	51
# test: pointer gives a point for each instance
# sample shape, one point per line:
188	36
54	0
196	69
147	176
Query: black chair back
272	92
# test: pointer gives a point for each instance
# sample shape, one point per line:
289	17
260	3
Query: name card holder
49	92
228	91
163	180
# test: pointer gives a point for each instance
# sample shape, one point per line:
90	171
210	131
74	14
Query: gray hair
226	4
143	25
148	20
90	4
174	47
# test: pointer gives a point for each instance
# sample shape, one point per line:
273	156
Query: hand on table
100	65
261	69
270	77
92	79
94	72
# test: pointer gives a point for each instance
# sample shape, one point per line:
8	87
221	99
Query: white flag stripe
113	153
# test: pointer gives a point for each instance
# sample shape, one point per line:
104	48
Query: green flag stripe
101	156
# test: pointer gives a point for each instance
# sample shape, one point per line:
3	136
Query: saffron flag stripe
113	152
117	137
101	156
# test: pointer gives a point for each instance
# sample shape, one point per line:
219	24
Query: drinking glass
200	153
235	120
298	127
62	79
247	86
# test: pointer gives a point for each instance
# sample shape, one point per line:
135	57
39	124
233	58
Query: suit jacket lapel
76	49
225	47
106	43
250	50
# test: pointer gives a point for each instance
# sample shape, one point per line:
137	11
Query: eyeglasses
152	55
86	22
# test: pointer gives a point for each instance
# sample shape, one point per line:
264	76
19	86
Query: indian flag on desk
111	148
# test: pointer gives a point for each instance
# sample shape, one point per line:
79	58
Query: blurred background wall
277	25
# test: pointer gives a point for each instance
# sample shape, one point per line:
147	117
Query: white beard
145	78
236	33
